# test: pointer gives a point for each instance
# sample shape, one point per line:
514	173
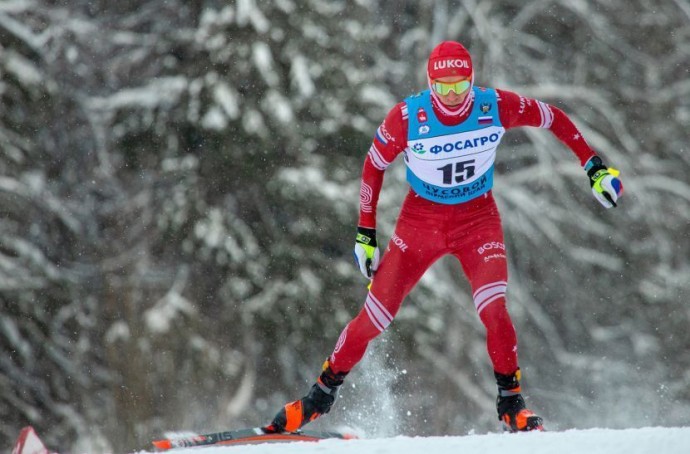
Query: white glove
606	186
366	251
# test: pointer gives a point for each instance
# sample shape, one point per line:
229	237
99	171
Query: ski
29	443
246	436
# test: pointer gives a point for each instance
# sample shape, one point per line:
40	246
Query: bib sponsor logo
465	144
459	192
421	115
418	148
424	129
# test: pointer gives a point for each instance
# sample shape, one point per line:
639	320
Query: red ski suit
426	231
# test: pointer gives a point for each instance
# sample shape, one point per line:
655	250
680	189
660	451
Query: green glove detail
606	186
366	251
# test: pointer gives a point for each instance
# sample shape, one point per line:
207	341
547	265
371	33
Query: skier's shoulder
482	91
397	116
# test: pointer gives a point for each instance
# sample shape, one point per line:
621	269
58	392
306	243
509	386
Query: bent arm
390	140
516	110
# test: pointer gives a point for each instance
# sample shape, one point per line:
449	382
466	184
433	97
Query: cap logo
443	64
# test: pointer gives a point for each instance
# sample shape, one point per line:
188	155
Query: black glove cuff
366	236
594	165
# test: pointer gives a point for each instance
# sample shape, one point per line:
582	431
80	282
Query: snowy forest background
179	184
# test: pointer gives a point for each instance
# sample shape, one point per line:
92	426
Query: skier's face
452	90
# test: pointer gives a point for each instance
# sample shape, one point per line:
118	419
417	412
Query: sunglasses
459	87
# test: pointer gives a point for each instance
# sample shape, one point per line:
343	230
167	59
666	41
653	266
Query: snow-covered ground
656	440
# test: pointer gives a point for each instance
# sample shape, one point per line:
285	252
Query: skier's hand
366	251
606	186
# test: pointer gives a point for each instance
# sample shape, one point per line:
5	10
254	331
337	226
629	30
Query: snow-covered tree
179	184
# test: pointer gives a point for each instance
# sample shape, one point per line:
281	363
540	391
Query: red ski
247	436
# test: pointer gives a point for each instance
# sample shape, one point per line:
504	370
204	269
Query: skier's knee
489	294
379	316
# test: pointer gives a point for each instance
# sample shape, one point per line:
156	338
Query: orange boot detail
317	402
511	407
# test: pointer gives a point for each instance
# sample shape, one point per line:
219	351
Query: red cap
449	58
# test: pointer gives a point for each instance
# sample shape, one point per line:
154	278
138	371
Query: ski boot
317	402
511	407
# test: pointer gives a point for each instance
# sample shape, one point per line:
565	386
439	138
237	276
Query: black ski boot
319	401
511	406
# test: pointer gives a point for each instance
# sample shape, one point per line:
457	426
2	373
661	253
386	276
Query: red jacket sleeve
516	110
390	140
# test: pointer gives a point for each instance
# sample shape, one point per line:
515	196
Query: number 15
463	170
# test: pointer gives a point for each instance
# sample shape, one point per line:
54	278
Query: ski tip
29	443
163	445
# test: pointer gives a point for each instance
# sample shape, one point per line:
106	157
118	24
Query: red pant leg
416	245
480	248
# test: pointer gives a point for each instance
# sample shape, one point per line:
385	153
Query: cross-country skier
448	135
